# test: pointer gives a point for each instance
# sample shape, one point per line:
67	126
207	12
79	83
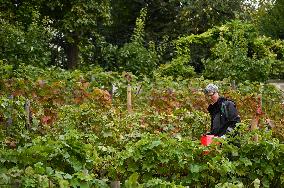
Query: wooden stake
115	184
10	108
233	85
28	114
254	123
255	120
129	102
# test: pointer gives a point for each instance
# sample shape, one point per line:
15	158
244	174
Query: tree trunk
72	52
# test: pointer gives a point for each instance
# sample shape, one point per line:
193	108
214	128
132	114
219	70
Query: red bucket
206	139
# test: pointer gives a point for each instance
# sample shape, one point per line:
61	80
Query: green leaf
84	185
49	171
195	168
67	176
63	183
256	183
155	144
132	181
246	161
107	134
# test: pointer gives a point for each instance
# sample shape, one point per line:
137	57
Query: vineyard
74	129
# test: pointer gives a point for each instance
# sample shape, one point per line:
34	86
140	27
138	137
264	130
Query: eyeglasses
210	94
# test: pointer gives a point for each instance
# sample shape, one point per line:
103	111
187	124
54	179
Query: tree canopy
77	34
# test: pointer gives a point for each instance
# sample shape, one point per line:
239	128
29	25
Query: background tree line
178	38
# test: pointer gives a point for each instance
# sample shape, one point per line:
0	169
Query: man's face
212	97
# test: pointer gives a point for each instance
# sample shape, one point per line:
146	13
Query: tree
134	56
72	21
124	15
23	37
169	19
178	18
271	20
237	51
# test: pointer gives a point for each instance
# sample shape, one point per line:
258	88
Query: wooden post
129	102
28	114
138	90
113	89
115	184
254	123
255	120
10	119
233	85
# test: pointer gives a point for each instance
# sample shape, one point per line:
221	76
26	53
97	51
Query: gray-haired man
223	112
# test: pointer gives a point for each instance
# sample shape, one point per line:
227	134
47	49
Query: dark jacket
224	116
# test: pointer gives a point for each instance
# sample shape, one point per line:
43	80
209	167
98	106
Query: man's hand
229	129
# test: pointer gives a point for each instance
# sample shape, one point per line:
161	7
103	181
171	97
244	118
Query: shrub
177	68
134	57
231	57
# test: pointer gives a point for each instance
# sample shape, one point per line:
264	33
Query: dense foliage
270	19
67	69
78	134
238	52
144	35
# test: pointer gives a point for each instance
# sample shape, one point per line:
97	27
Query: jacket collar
216	106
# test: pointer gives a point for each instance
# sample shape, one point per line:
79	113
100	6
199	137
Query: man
223	112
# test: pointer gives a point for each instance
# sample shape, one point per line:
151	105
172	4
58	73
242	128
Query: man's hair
210	88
